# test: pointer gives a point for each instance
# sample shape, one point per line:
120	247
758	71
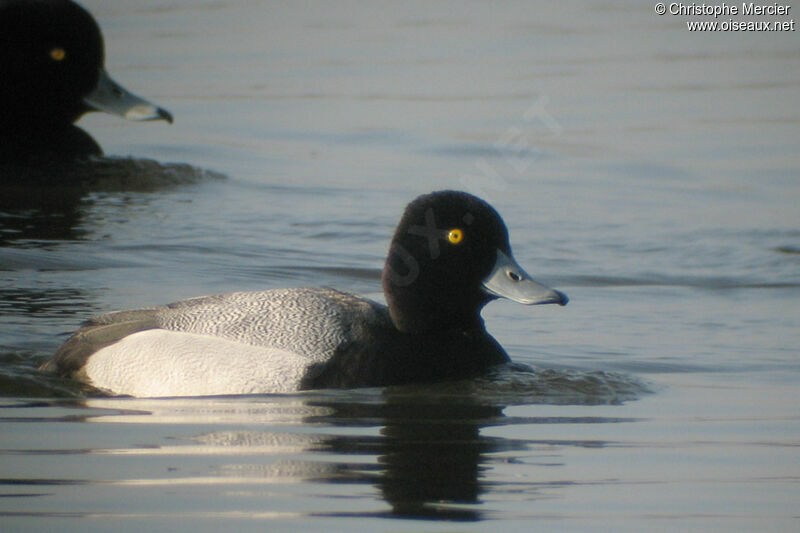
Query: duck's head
51	57
450	255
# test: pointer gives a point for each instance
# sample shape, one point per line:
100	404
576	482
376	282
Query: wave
511	384
664	280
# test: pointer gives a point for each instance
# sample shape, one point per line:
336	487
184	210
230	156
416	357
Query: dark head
51	59
450	256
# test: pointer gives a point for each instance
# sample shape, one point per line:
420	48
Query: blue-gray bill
110	97
508	280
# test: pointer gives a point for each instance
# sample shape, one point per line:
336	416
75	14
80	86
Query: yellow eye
455	236
58	53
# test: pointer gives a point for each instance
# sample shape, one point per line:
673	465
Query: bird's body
282	340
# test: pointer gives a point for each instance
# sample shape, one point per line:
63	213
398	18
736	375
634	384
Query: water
649	172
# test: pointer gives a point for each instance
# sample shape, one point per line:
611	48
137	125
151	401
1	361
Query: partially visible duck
51	59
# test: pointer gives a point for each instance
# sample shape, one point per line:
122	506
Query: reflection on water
43	202
421	448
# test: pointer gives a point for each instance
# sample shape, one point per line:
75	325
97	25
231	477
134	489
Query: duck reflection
432	463
424	449
52	64
425	455
49	202
429	456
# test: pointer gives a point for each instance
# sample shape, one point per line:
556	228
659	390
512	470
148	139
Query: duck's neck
46	143
415	312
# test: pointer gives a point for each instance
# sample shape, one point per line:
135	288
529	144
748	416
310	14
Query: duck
449	256
52	59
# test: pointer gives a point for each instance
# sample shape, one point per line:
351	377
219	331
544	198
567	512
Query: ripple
512	384
663	280
61	188
41	259
107	173
789	250
518	384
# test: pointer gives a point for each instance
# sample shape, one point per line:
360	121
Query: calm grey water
649	172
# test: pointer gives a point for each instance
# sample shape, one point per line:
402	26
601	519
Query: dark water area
649	172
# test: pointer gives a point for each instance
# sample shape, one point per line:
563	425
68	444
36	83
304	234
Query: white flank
158	362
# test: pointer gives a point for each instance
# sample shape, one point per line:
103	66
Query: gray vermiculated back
310	322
